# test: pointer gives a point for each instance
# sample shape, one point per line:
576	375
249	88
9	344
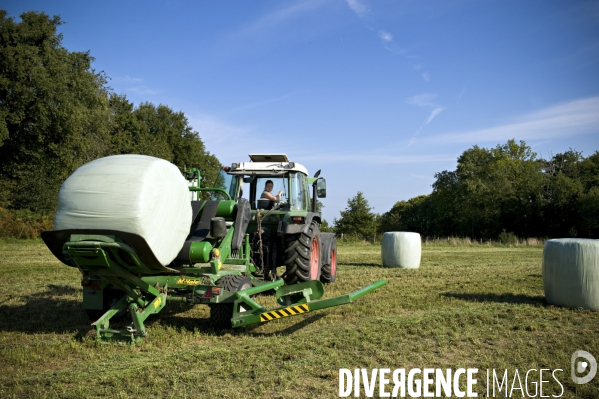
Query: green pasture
468	306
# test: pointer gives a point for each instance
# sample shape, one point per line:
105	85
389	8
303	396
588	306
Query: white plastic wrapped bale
401	249
571	272
137	194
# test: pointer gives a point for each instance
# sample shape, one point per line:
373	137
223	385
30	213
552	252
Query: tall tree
357	220
507	188
53	109
167	134
56	114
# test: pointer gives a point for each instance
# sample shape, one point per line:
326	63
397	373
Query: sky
379	95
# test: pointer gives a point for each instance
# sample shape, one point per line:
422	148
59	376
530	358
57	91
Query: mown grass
473	307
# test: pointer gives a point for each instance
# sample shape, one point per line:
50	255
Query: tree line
57	113
506	189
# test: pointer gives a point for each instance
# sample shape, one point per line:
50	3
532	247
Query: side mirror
321	188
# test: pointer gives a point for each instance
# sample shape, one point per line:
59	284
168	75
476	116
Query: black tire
221	313
110	297
328	273
302	256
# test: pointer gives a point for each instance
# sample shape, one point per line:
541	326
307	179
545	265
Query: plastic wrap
571	272
401	249
137	194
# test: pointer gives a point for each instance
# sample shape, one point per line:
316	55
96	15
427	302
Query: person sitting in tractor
267	195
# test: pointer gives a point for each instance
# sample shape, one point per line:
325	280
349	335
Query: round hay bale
571	272
401	249
136	194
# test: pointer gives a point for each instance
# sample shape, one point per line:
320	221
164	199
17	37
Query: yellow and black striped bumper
285	312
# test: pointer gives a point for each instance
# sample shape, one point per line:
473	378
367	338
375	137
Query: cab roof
267	165
269	157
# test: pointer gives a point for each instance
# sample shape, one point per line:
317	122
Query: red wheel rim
333	262
314	255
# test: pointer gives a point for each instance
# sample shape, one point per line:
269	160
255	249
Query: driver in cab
266	194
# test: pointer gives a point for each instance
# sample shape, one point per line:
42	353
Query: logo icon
579	366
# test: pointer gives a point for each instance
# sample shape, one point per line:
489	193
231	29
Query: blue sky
380	95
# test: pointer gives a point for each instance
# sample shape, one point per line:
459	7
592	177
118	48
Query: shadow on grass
53	311
45	312
203	324
362	264
537	300
287	331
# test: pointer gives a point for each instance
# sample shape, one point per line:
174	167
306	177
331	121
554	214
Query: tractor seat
265	204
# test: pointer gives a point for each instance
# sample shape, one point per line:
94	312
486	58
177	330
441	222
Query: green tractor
236	245
284	230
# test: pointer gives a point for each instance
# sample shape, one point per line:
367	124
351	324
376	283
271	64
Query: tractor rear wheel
221	313
302	256
329	264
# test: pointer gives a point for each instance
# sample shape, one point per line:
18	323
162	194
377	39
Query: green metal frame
107	261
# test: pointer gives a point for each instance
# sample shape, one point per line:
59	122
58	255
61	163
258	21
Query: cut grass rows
473	307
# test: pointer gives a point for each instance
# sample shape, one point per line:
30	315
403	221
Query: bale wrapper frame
219	265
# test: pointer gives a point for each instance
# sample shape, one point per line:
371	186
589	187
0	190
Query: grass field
467	306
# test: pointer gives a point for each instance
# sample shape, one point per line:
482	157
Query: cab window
298	192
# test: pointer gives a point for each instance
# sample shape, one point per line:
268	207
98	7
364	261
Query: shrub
23	223
508	238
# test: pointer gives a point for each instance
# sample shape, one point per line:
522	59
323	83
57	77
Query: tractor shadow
518	299
168	318
58	310
51	311
287	331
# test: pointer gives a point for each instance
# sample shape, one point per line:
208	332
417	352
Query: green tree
491	190
167	134
357	220
411	215
53	111
506	190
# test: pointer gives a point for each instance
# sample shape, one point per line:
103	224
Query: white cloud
127	79
423	100
141	90
426	76
218	134
231	143
421	177
360	9
263	27
376	157
434	113
386	36
261	103
462	92
569	119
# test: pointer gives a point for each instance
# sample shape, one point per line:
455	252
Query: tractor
237	243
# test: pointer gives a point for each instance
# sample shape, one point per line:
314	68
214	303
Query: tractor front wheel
222	313
302	256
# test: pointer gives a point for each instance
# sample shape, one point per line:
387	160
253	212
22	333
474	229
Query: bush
23	223
508	238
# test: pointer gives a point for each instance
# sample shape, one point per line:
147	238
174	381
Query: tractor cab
248	180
